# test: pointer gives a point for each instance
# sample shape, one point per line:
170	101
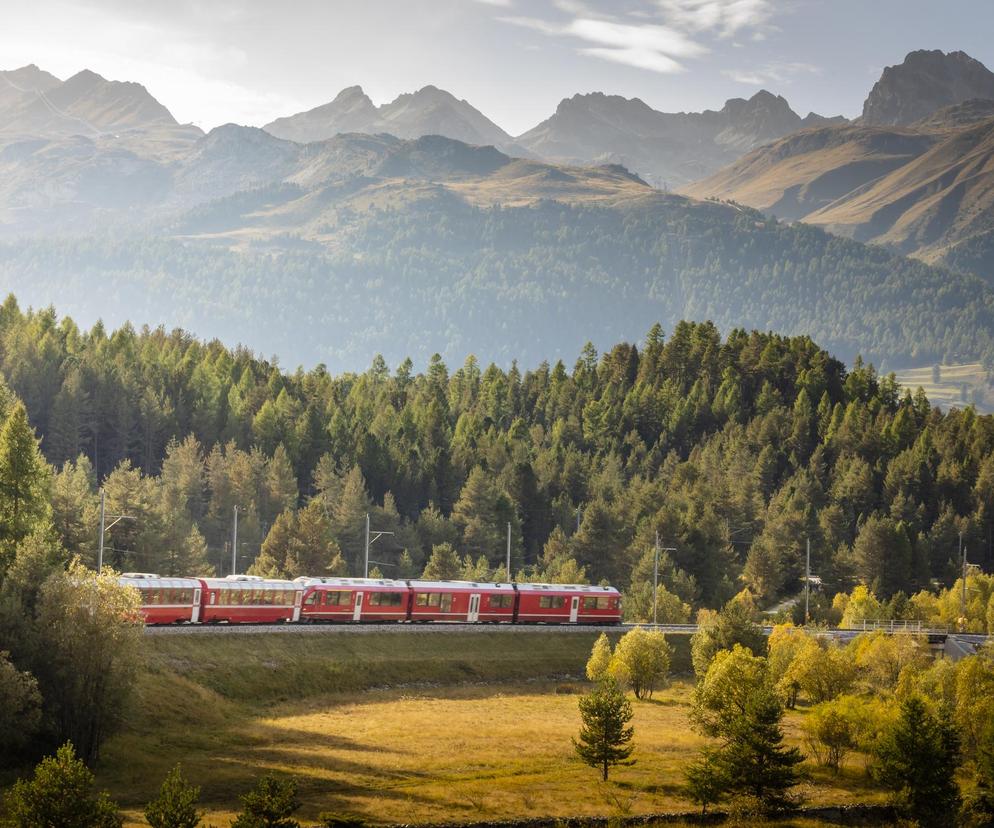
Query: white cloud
504	4
726	17
771	73
651	47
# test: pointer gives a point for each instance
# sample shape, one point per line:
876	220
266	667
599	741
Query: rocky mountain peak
926	81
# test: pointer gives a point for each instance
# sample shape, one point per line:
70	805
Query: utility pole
234	544
365	569
962	600
104	527
655	582
509	550
655	577
807	584
100	551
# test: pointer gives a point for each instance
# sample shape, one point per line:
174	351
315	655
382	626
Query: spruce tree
443	565
605	737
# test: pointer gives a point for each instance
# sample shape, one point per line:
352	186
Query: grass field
948	391
472	727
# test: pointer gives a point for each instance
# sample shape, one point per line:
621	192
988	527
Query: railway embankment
254	667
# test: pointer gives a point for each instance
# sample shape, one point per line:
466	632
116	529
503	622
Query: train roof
351	583
249	582
144	580
595	588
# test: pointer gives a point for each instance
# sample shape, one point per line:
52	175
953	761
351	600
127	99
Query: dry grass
457	753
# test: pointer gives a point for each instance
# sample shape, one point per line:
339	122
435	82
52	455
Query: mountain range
924	187
390	236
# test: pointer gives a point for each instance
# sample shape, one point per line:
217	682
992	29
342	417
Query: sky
250	61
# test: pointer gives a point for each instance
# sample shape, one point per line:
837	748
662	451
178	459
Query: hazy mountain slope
924	82
664	148
813	168
85	104
17	86
930	205
928	191
371	244
429	111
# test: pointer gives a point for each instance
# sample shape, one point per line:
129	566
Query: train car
354	599
568	604
249	599
166	600
464	601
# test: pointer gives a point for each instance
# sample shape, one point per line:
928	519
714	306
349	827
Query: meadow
407	728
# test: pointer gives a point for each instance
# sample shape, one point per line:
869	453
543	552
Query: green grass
403	728
947	392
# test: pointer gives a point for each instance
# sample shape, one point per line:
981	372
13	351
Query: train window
552	602
445	601
148	596
501	601
421	599
385	599
313	599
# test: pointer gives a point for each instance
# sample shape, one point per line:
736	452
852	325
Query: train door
474	609
195	615
574	608
297	597
357	610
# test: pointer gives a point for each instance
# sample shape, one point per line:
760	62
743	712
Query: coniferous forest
735	450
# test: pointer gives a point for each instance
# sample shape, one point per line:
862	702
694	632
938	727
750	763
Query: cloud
770	72
726	17
651	47
504	4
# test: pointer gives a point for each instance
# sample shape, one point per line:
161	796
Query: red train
247	599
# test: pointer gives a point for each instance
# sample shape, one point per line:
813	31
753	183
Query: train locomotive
250	599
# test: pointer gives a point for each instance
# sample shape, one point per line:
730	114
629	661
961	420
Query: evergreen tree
917	760
605	737
270	804
175	806
706	780
443	565
24	483
60	794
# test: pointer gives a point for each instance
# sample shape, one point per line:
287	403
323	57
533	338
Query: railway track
402	628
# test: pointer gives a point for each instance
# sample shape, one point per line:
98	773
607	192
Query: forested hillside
531	282
735	451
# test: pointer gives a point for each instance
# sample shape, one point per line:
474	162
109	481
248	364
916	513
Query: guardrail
872	625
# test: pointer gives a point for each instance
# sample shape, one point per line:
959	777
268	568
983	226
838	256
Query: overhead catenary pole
655	582
962	600
509	550
234	544
100	548
807	583
365	569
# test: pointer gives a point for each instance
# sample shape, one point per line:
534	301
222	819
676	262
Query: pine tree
270	804
707	783
605	738
754	760
443	565
25	482
313	551
60	794
917	760
175	806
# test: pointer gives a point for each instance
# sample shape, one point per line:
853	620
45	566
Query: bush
60	795
830	734
600	658
269	805
176	804
641	660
